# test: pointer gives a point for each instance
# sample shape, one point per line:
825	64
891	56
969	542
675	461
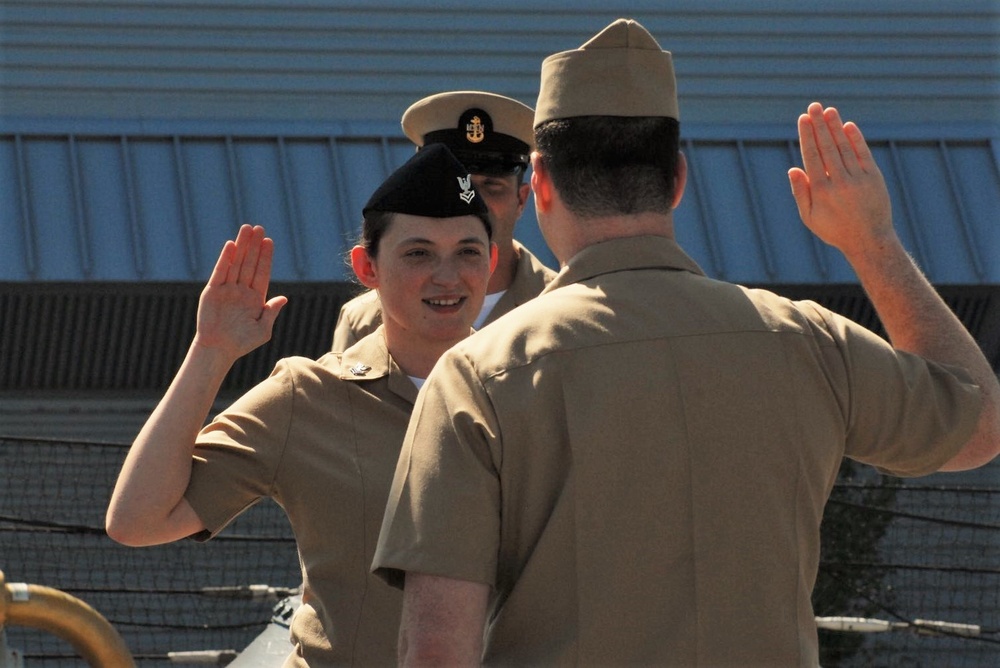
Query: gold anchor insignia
475	131
360	369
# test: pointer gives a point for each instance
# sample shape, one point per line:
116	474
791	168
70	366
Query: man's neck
585	233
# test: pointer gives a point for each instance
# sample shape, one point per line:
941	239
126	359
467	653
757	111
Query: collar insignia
360	369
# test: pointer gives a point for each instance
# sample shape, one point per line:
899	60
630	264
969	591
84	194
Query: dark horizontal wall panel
759	61
158	207
113	337
134	336
977	307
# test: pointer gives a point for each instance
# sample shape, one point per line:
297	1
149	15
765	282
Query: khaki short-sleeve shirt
638	459
322	439
363	314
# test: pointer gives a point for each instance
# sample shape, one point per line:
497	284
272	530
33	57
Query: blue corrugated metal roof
155	203
135	136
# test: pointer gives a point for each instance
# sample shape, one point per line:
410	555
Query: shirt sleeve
907	416
443	514
237	455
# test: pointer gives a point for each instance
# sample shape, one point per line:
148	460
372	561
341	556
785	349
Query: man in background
492	136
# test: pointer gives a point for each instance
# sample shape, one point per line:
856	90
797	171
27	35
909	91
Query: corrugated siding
739	220
157	207
264	59
136	136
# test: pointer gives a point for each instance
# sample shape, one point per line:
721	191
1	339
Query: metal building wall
134	135
157	207
130	126
317	60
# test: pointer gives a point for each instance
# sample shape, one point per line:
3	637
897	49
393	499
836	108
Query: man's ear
494	256
541	185
680	178
364	267
523	193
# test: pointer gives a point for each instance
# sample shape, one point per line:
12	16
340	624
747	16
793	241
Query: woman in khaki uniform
320	437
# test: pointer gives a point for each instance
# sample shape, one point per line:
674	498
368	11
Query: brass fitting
67	617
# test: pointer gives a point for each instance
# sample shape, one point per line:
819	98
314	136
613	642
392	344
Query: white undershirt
419	382
488	304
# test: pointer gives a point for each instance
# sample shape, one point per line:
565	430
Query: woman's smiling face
431	276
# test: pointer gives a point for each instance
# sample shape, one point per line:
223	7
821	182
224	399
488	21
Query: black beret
432	183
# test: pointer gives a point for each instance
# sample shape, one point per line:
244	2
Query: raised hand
234	317
234	314
840	193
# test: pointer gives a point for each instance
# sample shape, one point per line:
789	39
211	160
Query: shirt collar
369	359
624	254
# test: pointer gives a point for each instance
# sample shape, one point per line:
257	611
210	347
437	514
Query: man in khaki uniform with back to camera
492	136
631	468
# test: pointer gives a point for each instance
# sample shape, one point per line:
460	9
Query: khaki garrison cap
489	133
620	71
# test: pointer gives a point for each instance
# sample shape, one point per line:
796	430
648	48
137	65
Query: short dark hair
376	223
611	165
373	228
